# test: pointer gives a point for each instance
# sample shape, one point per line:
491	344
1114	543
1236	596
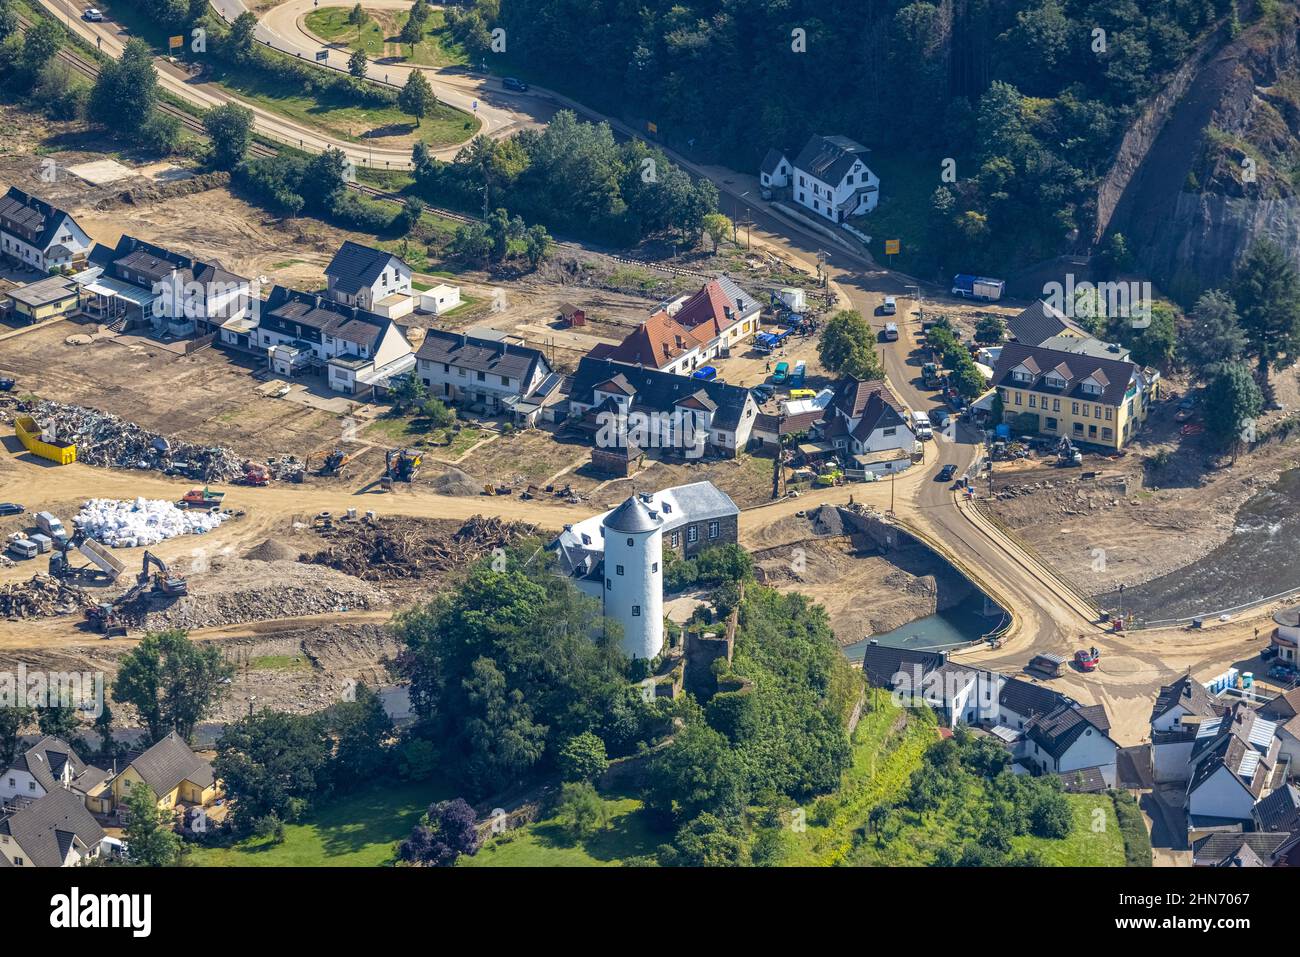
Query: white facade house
775	171
865	420
440	299
38	235
55	830
1231	768
484	374
831	178
370	279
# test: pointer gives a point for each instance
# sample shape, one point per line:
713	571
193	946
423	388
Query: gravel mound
273	550
456	482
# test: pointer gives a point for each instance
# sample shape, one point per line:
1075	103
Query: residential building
1231	767
618	555
1041	321
38	235
661	342
172	771
440	299
49	298
1279	812
51	764
830	176
370	279
659	409
1240	850
719	316
1085	398
1179	709
55	830
487	375
359	352
140	282
865	422
1071	738
774	173
1286	635
1285	711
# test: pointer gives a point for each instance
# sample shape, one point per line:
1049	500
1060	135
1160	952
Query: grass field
378	36
545	843
356	830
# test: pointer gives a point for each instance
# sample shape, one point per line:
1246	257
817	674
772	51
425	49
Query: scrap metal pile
105	440
41	597
392	548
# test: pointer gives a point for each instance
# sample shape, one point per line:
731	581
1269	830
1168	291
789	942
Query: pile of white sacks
142	521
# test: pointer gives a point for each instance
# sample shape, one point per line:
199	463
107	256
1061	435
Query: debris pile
143	521
394	548
273	550
107	441
40	597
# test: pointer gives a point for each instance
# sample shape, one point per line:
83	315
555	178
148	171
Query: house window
505	380
482	377
1033	400
1108	434
636	611
629	543
1074	408
1110	413
1051	424
618	569
675	539
1056	405
693	534
31	785
654	568
609	584
1017	398
1078	428
890	431
1096	411
713	529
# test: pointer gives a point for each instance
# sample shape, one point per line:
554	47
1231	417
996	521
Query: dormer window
1055	382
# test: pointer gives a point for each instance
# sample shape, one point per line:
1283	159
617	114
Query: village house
51	764
55	830
1284	710
830	177
38	235
359	351
1179	709
1235	849
370	279
487	375
137	282
49	298
1081	396
660	342
1041	321
1286	635
774	172
687	415
1232	765
174	773
867	424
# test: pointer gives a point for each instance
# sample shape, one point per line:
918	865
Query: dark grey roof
829	158
1056	731
356	267
168	763
482	355
45	828
1280	810
882	662
46	759
310	316
634	515
133	257
878	414
1186	693
1083	781
771	161
1220	850
1028	699
31	219
1228	751
1038	323
1113	375
659	391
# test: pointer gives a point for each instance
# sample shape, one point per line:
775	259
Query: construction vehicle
100	556
164	579
1067	454
402	465
1087	660
930	375
202	498
327	464
105	620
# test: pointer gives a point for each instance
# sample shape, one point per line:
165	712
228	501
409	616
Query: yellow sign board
652	127
891	247
175	43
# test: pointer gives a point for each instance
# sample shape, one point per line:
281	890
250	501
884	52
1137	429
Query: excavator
106	617
331	463
402	465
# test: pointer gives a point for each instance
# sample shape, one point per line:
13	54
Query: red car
1087	660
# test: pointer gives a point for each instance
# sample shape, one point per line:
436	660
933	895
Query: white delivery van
921	426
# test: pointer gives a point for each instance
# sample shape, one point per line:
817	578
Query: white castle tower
634	578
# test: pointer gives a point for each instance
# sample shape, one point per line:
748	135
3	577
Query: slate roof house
866	420
831	178
1285	711
721	415
53	831
1179	709
774	172
370	279
38	235
172	771
358	350
1231	767
486	374
51	764
1041	321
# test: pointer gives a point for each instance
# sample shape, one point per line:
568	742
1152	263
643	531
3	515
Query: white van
891	332
921	426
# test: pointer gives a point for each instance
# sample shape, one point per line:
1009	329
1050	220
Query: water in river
1259	560
958	625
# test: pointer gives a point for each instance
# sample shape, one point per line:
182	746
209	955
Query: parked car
1282	672
706	373
93	15
946	473
6	384
890	333
890	306
517	85
781	373
11	508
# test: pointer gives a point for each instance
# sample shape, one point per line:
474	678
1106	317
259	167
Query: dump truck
202	498
102	558
42	444
978	287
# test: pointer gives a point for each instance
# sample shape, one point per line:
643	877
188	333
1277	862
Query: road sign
322	56
891	247
175	43
651	127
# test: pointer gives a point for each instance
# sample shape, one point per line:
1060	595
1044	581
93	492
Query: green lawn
280	663
356	830
545	843
378	36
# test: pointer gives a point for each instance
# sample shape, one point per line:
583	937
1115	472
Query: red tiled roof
657	342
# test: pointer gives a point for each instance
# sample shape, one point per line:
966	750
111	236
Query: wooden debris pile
41	597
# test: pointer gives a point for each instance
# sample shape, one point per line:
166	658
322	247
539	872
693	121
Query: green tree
40	44
230	128
580	810
362	731
716	227
60	721
126	93
699	772
1232	404
151	840
412	33
1050	815
847	347
358	18
471	243
1214	339
416	97
13	724
171	682
709	840
582	758
537	242
990	330
243	37
439	414
358	64
408	392
1266	289
273	764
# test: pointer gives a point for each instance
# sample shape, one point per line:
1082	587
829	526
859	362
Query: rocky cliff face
1213	163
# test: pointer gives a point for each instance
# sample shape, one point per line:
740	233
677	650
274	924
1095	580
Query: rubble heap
41	597
105	440
393	548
